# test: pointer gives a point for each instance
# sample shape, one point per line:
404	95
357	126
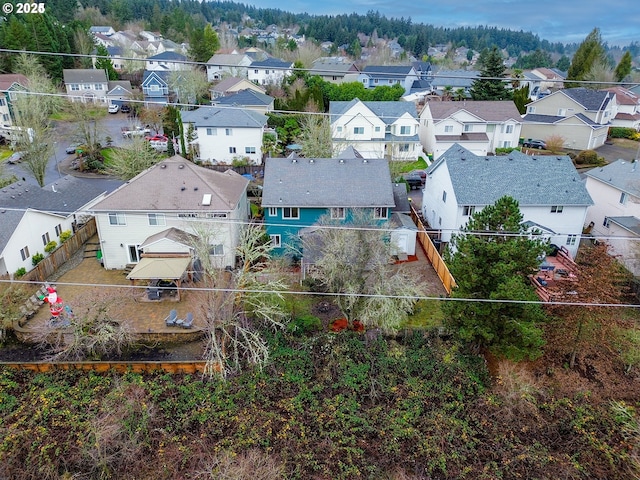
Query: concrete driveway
625	150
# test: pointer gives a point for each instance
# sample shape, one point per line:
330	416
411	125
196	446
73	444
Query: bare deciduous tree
133	158
189	85
316	138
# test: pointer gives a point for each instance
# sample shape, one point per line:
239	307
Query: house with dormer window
376	129
581	116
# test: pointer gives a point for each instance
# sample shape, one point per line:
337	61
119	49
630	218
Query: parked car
413	180
71	149
114	108
125	108
531	143
16	157
422	173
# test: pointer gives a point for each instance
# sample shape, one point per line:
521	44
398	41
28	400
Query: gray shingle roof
84	75
588	98
384	71
532	180
497	111
629	223
168	56
245	97
271	63
454	78
9	220
388	112
621	174
327	182
224	117
176	184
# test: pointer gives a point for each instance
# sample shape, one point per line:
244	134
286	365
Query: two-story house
581	116
615	214
335	69
86	85
116	55
376	129
224	134
271	71
298	191
628	108
446	83
31	217
10	83
167	61
552	197
249	99
480	126
222	65
373	76
155	87
232	85
173	194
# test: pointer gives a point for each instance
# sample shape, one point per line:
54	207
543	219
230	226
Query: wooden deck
557	277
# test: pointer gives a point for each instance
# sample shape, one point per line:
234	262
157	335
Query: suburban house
271	71
173	194
446	83
373	76
480	126
615	213
9	84
101	29
120	91
31	217
628	103
249	99
225	134
233	85
116	55
376	129
298	191
222	65
167	61
580	116
552	197
86	85
155	87
335	69
543	81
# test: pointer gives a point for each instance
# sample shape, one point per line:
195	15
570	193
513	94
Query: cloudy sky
554	20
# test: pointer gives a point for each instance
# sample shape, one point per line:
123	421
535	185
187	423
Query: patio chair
171	318
188	321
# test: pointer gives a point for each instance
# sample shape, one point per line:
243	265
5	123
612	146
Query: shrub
305	324
622	132
51	246
64	236
587	157
37	258
20	272
554	143
505	150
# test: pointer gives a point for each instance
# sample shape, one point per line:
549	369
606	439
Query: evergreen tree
491	260
589	53
624	67
563	63
103	62
489	86
521	98
203	43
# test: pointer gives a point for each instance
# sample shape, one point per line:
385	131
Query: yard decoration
56	304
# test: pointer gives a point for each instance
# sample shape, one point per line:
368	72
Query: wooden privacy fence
47	266
432	254
176	367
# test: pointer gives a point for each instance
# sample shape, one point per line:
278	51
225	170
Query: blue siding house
155	87
298	191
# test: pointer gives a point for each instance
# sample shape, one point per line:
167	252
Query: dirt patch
327	311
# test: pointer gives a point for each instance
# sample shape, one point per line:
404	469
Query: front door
134	253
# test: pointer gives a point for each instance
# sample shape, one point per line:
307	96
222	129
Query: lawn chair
188	321
171	318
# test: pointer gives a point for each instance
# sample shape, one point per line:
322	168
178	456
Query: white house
615	213
9	84
552	197
86	85
167	61
173	194
580	116
223	134
31	217
373	76
222	65
628	108
480	127
271	71
376	129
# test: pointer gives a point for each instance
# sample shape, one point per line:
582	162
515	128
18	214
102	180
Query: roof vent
294	160
195	189
311	160
206	199
364	160
163	166
342	160
181	165
183	188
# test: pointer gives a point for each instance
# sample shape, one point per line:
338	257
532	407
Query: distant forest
56	30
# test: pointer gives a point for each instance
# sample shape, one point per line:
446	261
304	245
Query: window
562	112
228	132
377	129
506	144
86	86
290	212
97	86
606	222
358	130
75	87
273	211
24	253
156	219
375	80
212	131
623	198
509	128
338	212
276	240
216	250
556	208
571	239
45	238
232	149
154	88
444	196
117	219
249	150
380	212
531	109
448	128
468	128
468	210
404	147
255	71
405	130
266	72
2	102
58	230
339	129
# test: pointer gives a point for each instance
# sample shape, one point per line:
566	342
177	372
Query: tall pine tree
590	53
490	86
